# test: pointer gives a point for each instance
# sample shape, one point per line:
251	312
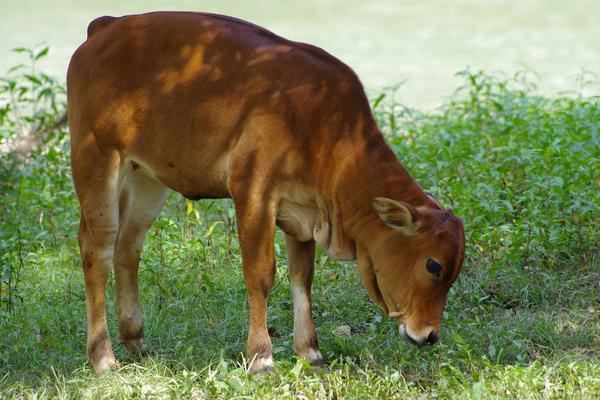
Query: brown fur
211	106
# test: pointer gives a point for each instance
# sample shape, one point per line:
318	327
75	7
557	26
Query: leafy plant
33	171
31	102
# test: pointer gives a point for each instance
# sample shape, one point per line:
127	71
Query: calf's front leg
256	230
301	257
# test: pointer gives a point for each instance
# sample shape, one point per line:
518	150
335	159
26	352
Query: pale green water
385	41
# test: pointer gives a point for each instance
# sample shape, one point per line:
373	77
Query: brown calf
211	106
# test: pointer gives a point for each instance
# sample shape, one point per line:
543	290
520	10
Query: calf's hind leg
96	179
140	203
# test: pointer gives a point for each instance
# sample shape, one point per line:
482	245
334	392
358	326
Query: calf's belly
192	178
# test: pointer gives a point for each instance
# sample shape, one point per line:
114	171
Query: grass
522	321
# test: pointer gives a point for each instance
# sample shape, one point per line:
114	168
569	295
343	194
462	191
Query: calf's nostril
432	338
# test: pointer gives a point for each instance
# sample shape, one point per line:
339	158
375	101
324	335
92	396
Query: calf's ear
399	215
435	200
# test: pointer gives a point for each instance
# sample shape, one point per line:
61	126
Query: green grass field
522	321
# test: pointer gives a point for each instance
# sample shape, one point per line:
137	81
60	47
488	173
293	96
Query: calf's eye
434	267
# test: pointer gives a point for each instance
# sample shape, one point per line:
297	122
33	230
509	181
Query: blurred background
419	43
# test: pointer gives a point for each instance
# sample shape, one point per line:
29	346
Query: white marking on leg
302	314
261	364
304	328
311	355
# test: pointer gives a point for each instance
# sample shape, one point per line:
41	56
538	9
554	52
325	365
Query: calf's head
413	257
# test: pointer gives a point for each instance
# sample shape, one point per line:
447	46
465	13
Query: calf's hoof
313	356
262	366
101	355
105	365
136	346
318	363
